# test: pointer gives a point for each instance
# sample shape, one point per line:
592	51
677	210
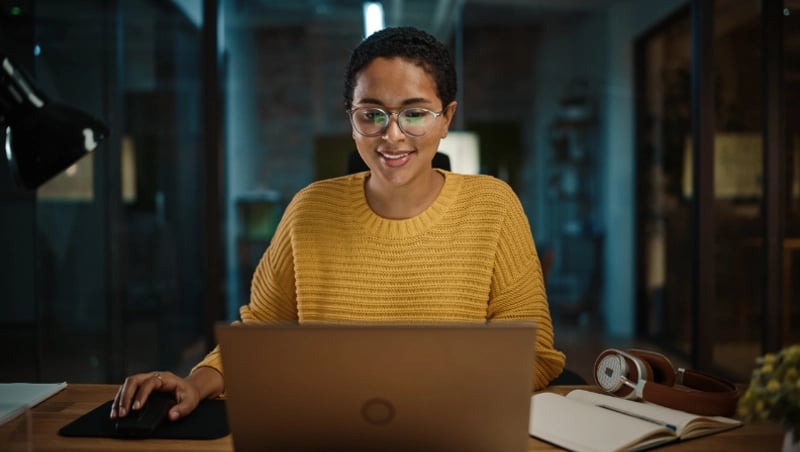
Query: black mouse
143	422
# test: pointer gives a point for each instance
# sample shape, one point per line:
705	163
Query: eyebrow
411	101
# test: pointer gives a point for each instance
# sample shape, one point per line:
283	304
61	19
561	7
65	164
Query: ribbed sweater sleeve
518	291
470	257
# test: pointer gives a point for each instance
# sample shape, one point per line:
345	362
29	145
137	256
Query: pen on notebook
639	416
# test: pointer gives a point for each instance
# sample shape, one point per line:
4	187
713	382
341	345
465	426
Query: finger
176	412
158	379
186	399
116	403
136	390
122	401
153	381
164	381
182	408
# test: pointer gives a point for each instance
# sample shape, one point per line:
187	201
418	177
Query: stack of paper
15	398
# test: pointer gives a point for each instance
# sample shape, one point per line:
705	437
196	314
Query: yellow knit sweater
470	257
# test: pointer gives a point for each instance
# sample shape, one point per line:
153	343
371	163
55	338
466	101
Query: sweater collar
376	225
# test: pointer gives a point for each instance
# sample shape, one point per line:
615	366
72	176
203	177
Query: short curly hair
409	43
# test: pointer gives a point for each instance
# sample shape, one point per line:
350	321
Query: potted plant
774	393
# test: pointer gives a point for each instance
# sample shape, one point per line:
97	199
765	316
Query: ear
448	114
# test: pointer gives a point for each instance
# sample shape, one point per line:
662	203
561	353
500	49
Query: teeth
394	156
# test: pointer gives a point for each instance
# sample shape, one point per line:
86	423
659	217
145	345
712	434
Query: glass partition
119	247
666	192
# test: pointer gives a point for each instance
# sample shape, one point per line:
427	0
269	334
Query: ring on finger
157	375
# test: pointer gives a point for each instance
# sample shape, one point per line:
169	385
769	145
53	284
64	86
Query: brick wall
299	75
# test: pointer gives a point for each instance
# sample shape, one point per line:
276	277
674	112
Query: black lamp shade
49	140
42	138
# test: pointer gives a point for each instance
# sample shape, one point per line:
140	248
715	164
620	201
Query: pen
639	416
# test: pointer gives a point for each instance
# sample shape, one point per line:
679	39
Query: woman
402	242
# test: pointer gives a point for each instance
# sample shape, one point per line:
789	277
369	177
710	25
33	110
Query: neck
407	201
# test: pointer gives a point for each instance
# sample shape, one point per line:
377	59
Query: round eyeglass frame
389	114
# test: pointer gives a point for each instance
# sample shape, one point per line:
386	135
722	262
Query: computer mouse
143	422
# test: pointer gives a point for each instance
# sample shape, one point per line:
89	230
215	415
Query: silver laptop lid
391	387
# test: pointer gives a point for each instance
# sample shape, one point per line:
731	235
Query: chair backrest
547	257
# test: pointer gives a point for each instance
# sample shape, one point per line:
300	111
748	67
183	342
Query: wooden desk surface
78	399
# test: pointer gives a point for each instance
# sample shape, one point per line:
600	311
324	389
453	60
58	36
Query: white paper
16	397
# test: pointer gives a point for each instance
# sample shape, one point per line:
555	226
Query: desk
78	399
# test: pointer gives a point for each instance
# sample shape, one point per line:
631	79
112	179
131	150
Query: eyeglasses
373	121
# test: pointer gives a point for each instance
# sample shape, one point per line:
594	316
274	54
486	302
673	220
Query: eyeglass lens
374	121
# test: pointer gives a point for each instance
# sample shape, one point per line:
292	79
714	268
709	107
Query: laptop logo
377	411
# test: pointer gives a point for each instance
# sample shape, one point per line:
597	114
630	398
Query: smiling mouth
394	156
395	159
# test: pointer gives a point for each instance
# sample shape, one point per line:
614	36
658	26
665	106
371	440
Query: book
15	398
589	421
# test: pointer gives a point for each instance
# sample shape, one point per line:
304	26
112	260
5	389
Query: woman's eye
414	116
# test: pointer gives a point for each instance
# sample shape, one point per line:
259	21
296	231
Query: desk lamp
42	138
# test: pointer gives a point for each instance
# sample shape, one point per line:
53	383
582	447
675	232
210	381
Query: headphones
643	375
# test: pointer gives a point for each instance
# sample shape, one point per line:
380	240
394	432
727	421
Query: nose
393	131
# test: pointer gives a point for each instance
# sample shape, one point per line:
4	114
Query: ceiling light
373	17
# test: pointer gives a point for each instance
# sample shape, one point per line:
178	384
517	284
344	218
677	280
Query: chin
401	176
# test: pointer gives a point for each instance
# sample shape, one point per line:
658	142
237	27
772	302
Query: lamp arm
18	95
18	81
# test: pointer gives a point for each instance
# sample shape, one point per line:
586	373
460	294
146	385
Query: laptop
378	388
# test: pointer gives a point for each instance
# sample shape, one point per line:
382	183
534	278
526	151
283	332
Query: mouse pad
207	421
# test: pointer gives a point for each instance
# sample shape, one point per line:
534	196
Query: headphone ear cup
612	369
659	367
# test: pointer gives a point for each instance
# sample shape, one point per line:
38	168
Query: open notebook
391	387
589	421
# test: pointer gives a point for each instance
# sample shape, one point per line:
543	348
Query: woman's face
393	84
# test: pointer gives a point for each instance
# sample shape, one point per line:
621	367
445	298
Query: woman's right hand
132	395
